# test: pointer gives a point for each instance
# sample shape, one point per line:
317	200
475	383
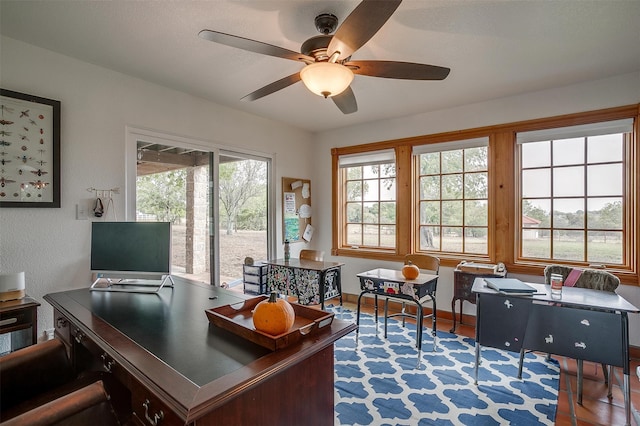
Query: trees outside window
370	205
452	200
162	195
550	190
242	190
574	187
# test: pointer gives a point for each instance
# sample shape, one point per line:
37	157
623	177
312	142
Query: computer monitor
125	251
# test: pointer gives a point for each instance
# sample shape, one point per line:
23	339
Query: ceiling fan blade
346	101
253	46
400	70
273	87
362	24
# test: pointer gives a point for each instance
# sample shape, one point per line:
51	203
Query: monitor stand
132	286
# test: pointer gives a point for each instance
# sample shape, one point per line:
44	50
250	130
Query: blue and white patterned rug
377	381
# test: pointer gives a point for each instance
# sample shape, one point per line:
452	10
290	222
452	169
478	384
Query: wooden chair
426	263
316	255
595	279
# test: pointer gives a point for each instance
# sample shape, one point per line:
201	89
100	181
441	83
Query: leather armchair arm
88	405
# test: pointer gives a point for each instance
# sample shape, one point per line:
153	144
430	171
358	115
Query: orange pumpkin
410	271
274	315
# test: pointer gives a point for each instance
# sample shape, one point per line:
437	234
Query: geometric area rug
378	380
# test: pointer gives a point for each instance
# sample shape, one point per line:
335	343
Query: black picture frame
29	150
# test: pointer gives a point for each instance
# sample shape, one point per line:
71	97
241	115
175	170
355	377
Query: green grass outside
599	251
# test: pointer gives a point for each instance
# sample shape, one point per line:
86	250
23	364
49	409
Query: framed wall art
29	150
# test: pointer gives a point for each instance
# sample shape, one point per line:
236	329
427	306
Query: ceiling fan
329	69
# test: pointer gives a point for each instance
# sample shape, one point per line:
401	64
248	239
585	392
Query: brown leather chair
38	386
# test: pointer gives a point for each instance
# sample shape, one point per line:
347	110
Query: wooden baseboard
396	306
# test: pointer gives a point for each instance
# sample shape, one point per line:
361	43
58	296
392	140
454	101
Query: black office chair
426	263
595	279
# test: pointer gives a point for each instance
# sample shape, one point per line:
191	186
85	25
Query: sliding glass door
242	211
217	201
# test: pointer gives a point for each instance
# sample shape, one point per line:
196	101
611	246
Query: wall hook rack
104	193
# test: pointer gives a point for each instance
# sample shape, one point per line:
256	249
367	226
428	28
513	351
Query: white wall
96	106
612	92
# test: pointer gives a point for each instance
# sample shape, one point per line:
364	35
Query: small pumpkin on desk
274	315
410	271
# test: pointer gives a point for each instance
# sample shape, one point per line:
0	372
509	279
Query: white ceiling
494	48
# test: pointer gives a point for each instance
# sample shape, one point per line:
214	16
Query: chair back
424	261
596	279
317	255
32	371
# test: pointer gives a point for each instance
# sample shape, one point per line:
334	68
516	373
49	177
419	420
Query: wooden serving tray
238	319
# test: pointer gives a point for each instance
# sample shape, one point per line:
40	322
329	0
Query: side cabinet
462	284
254	278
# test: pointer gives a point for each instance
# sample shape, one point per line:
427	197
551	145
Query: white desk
391	283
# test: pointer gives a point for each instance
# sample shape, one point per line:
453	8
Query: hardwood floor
596	408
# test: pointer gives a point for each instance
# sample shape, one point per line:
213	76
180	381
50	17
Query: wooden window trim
503	226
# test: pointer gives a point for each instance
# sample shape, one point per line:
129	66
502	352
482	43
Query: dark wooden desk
181	369
16	316
286	276
391	283
583	324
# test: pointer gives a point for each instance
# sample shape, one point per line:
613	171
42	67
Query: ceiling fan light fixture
326	79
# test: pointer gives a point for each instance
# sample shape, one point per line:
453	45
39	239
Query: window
550	190
572	193
368	184
452	197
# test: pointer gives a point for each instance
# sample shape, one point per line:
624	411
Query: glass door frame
134	134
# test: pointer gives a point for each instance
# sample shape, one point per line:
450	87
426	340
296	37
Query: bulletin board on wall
296	210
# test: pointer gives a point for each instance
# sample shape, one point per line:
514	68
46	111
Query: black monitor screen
131	246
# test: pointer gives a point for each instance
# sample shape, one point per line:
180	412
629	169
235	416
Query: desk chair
426	263
595	279
316	255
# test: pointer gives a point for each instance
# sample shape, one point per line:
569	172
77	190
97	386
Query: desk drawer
88	356
255	279
148	409
502	321
62	327
576	333
257	268
255	288
14	320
